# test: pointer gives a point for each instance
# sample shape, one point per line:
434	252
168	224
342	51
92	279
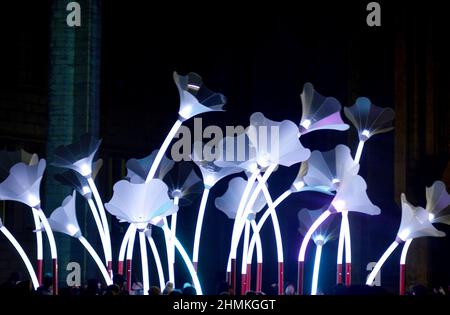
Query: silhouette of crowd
16	285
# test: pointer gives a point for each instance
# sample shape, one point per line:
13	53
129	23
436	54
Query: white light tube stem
198	227
101	210
144	262
187	262
315	279
97	260
101	232
405	251
359	151
159	267
380	262
22	254
245	247
312	229
163	150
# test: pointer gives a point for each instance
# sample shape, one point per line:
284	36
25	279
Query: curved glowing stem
312	229
39	244
187	262
144	262
359	151
53	251
48	230
263	219
123	248
340	252
171	249
168	240
245	247
403	266
257	238
97	259
198	227
275	223
163	149
37	224
22	254
239	212
315	278
131	238
101	210
405	251
380	262
130	248
241	221
101	232
159	267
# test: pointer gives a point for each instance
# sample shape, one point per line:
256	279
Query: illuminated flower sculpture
22	254
275	143
76	181
139	204
64	220
181	185
229	203
319	112
369	120
203	157
138	169
7	160
23	185
320	237
327	170
350	196
79	157
438	202
415	223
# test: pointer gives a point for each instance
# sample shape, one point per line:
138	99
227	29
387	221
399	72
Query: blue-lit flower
368	118
138	169
23	183
415	222
140	203
438	203
319	112
228	203
275	142
64	218
78	156
328	169
323	233
195	97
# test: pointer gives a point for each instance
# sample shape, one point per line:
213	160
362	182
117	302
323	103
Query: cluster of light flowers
150	196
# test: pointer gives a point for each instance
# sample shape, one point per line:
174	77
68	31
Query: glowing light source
306	123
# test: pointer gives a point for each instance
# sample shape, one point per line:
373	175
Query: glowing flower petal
368	118
319	112
195	97
64	218
228	203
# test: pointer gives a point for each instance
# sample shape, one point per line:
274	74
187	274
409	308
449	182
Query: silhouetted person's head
189	290
175	292
119	280
290	290
154	290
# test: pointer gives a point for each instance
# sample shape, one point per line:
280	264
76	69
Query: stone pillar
73	105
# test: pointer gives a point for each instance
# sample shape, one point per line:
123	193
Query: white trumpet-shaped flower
64	218
228	203
138	169
78	156
275	142
140	203
204	157
368	118
438	203
415	222
319	112
307	217
195	97
328	169
352	196
184	182
23	183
